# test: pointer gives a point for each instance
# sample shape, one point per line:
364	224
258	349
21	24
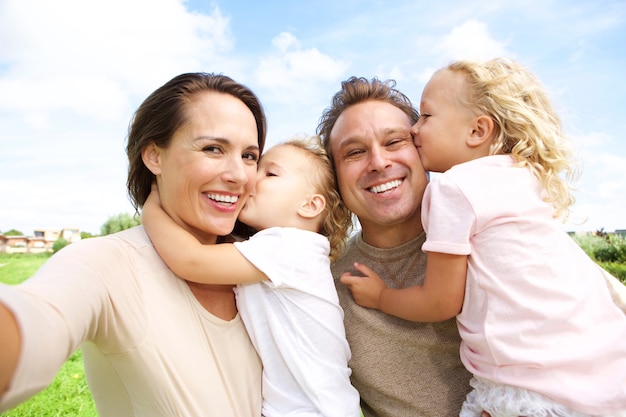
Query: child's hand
152	203
366	290
153	197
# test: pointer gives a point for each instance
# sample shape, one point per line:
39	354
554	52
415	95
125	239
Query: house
42	240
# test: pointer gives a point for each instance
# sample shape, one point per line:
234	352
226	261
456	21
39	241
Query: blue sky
72	72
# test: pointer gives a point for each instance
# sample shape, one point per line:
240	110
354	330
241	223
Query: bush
59	244
616	269
118	223
604	249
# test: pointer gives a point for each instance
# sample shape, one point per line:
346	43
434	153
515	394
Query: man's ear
482	131
314	205
151	156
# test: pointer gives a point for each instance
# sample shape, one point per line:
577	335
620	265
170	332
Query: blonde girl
540	332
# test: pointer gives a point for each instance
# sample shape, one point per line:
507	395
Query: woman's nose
236	171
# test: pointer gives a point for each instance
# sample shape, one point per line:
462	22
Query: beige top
400	368
150	348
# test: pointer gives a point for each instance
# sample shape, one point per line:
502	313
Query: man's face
381	178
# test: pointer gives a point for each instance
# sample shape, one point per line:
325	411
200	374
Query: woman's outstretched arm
10	350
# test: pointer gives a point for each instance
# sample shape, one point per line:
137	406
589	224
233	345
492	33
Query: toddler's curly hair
527	125
337	219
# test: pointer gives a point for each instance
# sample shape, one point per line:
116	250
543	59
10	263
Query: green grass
68	395
17	267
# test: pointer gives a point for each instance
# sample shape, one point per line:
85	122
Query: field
68	395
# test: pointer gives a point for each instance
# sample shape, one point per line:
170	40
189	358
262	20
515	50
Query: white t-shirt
150	348
296	324
537	312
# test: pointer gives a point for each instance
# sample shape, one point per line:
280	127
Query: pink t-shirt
537	313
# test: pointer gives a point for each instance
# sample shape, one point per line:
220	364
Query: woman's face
207	172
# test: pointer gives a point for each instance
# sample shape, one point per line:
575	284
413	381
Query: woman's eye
424	116
211	149
250	156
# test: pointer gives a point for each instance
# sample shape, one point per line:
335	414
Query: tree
59	244
13	232
86	235
118	223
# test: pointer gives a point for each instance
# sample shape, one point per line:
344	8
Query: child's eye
424	116
270	174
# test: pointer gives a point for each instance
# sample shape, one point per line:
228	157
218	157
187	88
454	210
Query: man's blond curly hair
337	220
527	125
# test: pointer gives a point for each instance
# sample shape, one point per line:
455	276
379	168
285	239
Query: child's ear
151	156
482	131
314	205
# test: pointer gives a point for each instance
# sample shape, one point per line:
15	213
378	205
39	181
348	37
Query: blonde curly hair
337	219
527	125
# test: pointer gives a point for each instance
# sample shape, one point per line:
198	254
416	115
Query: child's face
283	185
444	125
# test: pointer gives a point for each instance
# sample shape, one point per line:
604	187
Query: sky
72	73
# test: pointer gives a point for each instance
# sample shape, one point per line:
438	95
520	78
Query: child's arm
206	264
440	298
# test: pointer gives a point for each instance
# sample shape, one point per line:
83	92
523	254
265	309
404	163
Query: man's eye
396	141
352	153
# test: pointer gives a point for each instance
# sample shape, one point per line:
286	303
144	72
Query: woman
153	344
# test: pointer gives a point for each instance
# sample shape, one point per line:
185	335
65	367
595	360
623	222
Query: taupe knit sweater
400	368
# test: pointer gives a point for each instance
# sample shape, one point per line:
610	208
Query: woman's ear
151	156
482	131
314	205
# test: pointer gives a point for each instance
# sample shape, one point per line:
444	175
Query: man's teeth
386	186
223	198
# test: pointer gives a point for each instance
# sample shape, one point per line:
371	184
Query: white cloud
295	85
295	67
285	41
468	40
471	40
601	191
91	56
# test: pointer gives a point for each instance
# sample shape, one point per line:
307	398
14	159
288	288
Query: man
400	368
